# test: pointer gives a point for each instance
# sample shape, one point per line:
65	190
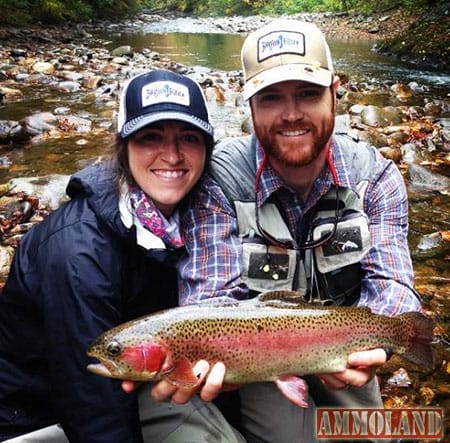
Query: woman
101	259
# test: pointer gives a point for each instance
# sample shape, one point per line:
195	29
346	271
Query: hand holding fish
210	385
361	369
210	382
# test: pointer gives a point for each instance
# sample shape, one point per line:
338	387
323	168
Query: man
295	206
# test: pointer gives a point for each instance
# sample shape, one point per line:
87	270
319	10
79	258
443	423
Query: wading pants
266	416
194	422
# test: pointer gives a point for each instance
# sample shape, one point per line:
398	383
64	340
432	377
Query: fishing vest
330	273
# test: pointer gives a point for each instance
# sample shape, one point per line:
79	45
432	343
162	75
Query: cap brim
306	73
135	125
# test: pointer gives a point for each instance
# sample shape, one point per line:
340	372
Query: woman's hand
210	384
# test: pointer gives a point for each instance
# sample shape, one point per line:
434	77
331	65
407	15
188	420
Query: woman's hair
121	166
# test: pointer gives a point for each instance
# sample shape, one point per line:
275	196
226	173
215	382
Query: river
194	43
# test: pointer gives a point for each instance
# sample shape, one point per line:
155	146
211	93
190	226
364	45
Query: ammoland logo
360	424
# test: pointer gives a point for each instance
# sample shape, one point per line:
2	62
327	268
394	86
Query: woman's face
166	160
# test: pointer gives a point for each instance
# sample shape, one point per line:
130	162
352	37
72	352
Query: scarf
152	219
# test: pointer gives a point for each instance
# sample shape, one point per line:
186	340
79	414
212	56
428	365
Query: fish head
128	357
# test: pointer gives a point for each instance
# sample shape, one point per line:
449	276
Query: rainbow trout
265	339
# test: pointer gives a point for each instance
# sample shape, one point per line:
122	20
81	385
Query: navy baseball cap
162	95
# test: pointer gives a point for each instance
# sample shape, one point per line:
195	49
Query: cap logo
280	42
165	92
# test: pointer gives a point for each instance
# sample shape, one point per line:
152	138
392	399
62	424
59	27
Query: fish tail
418	333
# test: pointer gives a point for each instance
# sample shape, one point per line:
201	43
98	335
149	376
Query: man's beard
291	153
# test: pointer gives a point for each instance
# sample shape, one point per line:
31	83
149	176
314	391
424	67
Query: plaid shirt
213	266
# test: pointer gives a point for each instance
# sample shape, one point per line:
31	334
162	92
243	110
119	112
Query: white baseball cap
285	50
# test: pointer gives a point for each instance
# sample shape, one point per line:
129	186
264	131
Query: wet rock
6	258
61	110
38	78
91	81
108	90
410	152
12	131
444	134
391	153
400	378
401	91
427	395
19	210
430	241
444	389
72	123
50	190
120	61
18	52
22	77
342	123
356	109
10	93
422	177
5	162
247	125
214	94
123	51
69	86
110	68
44	68
71	76
381	117
433	109
436	244
39	123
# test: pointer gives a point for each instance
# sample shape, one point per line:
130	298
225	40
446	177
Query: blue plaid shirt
213	266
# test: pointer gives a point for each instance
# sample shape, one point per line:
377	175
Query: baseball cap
285	50
162	95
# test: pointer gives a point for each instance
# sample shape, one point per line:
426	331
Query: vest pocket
348	246
268	268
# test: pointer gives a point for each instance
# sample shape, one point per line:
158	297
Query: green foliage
20	12
229	7
55	11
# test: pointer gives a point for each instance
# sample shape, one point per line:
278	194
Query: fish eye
114	349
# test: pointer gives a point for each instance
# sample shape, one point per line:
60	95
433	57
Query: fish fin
419	335
277	298
182	374
294	389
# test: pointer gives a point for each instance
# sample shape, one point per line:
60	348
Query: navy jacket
74	275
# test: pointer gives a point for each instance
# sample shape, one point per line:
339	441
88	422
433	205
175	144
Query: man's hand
361	369
210	384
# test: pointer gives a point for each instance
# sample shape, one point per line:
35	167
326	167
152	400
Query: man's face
294	121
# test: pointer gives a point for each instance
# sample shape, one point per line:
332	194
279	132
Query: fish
274	337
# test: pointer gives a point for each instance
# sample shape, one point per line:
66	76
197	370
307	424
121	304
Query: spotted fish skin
257	340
